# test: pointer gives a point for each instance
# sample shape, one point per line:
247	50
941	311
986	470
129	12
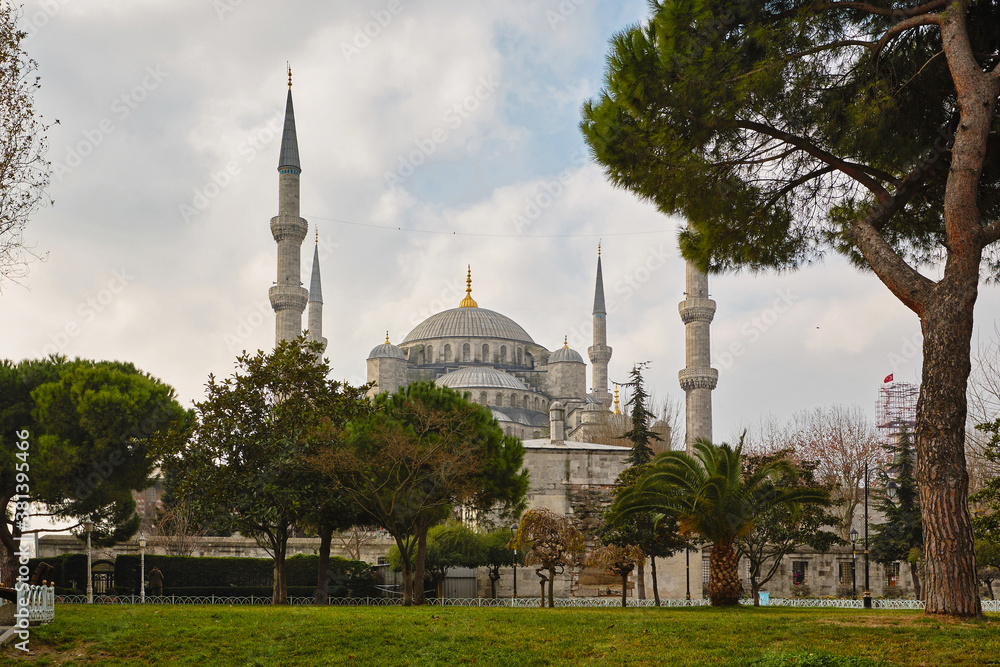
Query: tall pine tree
901	537
640	434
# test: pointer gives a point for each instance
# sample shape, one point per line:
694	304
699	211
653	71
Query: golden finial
317	236
565	342
289	75
387	338
598	243
468	301
617	409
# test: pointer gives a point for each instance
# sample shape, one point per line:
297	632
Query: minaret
599	352
288	297
698	379
316	300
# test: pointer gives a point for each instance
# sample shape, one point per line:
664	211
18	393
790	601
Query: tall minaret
288	297
698	379
599	352
316	300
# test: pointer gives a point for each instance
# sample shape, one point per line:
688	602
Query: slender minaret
316	300
288	297
698	379
599	352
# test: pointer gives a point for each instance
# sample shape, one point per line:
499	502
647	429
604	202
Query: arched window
466	352
526	406
468	395
447	353
503	354
430	354
513	401
530	360
499	400
538	404
519	353
482	398
486	353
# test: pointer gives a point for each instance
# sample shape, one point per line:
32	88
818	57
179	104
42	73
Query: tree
988	561
24	172
715	499
550	541
75	437
615	559
654	533
451	544
902	532
640	435
783	129
244	460
423	451
496	555
780	530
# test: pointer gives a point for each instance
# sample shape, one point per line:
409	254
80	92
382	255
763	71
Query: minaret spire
599	352
316	299
698	378
288	297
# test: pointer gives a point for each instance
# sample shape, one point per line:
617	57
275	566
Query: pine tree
901	537
640	434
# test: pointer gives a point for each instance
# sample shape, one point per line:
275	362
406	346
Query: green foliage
902	531
781	529
986	522
655	533
640	435
451	544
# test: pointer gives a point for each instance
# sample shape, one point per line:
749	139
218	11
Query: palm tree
713	498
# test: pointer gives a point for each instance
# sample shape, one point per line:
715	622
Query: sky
432	136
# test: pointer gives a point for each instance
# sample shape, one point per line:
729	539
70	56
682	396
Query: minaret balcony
696	310
287	227
288	297
698	378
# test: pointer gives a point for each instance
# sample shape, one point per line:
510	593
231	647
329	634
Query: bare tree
984	406
24	172
354	540
175	530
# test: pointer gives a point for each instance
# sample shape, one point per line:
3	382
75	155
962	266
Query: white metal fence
44	607
40	601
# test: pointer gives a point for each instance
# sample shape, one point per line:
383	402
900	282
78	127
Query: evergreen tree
900	537
640	434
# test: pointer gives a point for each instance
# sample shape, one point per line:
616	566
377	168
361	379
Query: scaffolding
896	410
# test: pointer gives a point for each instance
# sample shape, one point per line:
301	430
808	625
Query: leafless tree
984	406
354	540
24	172
174	530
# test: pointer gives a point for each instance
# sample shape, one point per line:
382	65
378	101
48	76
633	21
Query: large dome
477	377
468	323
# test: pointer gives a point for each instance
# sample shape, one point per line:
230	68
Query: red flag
888	378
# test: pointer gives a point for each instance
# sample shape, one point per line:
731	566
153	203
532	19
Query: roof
289	154
386	351
478	377
468	323
566	354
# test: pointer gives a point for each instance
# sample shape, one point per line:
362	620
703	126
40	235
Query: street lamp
513	535
868	593
854	563
89	526
142	568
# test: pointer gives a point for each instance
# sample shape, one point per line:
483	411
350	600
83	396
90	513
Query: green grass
764	637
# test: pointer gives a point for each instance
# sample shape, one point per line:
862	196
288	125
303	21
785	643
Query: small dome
565	354
477	377
386	351
556	405
593	407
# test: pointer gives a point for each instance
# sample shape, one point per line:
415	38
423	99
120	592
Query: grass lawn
764	637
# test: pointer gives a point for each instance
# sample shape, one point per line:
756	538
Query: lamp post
513	535
89	526
868	593
687	567
854	563
142	568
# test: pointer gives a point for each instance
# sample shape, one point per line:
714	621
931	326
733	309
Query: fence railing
44	607
40	601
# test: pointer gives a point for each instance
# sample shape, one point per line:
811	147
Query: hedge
69	569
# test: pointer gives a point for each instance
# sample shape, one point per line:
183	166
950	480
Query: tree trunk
942	478
418	570
640	580
552	584
915	575
624	588
755	591
652	572
323	573
280	545
724	579
494	578
541	582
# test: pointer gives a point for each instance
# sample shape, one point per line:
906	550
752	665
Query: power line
514	236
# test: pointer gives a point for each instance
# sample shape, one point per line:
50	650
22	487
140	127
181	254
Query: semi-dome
468	322
565	353
480	378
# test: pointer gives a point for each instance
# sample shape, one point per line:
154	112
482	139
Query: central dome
468	322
